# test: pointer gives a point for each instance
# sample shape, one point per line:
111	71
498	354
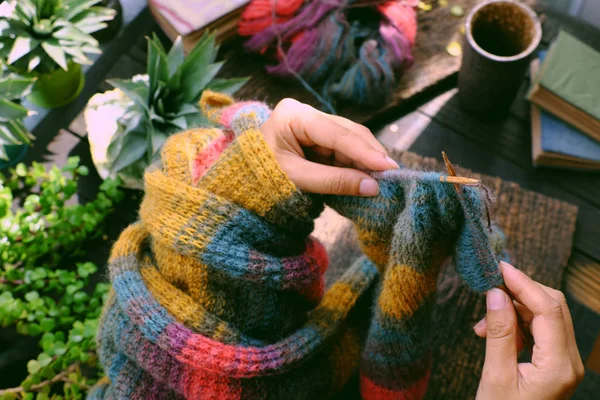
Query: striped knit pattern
218	288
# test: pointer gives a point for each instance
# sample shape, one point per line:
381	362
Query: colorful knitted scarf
218	289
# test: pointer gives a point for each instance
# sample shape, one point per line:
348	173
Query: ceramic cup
500	36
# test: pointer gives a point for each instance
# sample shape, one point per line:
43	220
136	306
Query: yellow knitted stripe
184	272
404	290
212	104
344	358
262	162
376	249
248	174
186	146
181	306
170	211
129	242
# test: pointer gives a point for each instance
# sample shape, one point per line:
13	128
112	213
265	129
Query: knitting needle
458	180
452	178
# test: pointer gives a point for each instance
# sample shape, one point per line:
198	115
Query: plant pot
15	154
113	26
58	88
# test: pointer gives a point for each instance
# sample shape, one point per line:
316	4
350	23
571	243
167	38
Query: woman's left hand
323	153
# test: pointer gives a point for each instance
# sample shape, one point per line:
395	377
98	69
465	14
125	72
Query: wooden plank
510	138
431	138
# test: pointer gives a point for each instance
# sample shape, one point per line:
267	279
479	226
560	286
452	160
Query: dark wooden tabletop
427	124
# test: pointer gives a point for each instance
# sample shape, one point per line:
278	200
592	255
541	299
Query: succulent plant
164	102
12	129
42	35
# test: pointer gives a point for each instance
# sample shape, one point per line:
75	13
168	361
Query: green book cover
572	72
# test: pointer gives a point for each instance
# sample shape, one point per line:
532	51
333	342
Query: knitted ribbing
218	289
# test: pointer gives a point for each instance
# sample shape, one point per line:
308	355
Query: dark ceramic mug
500	36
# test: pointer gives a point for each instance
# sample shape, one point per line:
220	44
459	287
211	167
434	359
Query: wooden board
432	64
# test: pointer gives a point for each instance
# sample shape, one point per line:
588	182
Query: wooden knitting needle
452	178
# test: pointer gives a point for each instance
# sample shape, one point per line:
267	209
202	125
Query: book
568	84
190	19
556	143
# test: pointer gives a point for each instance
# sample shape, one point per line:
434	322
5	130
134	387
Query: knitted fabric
353	49
218	289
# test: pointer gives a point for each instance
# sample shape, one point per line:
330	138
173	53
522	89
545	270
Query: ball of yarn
354	50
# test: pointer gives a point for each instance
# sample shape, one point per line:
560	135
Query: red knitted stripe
416	391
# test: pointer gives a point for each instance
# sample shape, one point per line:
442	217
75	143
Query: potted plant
14	137
49	39
45	292
128	126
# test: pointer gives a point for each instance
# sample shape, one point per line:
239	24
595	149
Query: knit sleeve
247	171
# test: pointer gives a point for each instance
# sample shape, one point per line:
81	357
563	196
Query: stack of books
565	110
190	19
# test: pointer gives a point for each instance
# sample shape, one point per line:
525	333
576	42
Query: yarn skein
353	50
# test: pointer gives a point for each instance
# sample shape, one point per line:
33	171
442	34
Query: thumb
502	333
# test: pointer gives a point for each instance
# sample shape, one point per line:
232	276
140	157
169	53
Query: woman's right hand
555	369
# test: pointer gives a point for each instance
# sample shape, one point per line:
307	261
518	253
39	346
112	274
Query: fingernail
496	299
368	187
504	264
392	162
479	324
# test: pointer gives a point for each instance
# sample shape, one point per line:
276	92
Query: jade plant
12	129
43	35
155	106
44	293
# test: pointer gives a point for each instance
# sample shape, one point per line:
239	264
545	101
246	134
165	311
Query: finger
501	343
311	128
361	130
316	178
547	325
481	330
573	350
526	316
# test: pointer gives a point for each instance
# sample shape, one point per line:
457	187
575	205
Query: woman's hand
323	153
555	369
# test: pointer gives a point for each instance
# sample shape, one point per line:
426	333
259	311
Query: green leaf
14	87
157	65
44	359
47	324
227	86
73	34
72	8
10	110
176	56
21	46
194	83
136	91
33	367
56	53
32	296
33	63
133	148
157	138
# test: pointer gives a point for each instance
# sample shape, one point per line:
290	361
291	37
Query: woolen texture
353	50
218	289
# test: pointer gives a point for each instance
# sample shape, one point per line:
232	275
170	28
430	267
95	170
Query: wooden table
427	124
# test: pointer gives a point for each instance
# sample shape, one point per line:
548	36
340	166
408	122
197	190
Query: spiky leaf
10	110
14	87
133	148
176	56
56	52
226	86
21	46
157	65
136	91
